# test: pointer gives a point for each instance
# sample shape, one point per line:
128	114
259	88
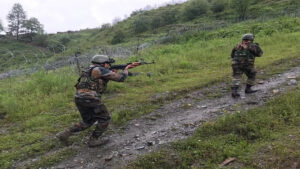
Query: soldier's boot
248	89
64	135
96	141
234	91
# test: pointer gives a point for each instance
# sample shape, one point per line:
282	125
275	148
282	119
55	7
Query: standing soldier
243	57
91	84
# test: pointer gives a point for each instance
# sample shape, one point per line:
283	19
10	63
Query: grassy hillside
33	108
146	26
14	54
266	137
142	26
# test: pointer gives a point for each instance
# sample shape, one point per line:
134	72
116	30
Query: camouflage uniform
243	57
90	86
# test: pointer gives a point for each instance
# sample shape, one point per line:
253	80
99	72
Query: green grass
17	55
265	137
33	108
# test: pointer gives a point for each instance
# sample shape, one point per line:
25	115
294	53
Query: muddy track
174	121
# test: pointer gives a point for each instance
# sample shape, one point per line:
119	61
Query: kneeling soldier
91	84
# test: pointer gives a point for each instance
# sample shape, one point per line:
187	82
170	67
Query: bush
40	40
218	6
195	8
141	24
119	37
64	40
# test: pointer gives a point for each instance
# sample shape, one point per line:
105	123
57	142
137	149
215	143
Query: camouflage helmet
248	36
100	59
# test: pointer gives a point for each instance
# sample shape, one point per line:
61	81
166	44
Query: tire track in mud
174	121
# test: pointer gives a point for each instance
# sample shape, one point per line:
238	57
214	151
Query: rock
111	156
291	77
261	82
108	158
140	148
275	91
150	143
292	82
227	161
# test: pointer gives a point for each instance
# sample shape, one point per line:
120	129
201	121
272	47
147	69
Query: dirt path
174	121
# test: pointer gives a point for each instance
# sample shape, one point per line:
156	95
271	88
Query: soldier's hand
132	65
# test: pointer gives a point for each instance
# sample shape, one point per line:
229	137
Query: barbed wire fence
39	61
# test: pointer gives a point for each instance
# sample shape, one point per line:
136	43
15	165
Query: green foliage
194	9
40	40
1	26
32	25
55	46
241	8
64	40
218	6
119	37
141	24
16	19
39	88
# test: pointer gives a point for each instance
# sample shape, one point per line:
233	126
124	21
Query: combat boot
64	135
248	89
94	141
235	93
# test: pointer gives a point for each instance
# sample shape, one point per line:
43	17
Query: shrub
195	8
40	40
141	24
218	6
119	37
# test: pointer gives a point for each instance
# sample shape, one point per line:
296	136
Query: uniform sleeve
233	51
118	77
104	73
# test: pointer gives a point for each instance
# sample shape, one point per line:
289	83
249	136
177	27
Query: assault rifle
123	66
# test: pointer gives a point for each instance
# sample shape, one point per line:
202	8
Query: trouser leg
236	80
251	75
102	117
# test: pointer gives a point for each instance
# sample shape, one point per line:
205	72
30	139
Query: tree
33	27
119	37
16	18
141	24
1	26
218	6
156	21
169	15
105	26
195	8
241	8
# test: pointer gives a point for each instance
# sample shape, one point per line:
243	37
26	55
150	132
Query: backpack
85	81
